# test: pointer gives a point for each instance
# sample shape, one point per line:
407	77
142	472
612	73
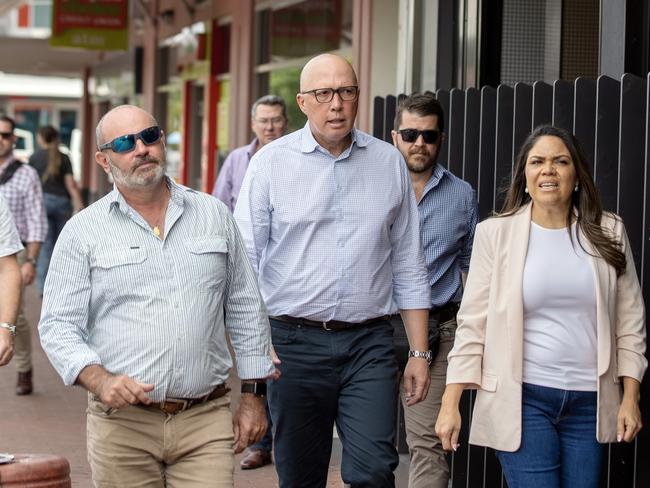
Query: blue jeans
58	210
558	441
347	377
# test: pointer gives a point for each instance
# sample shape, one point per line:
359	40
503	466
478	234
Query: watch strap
421	354
10	327
257	388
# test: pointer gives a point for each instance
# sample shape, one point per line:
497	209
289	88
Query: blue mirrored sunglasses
126	143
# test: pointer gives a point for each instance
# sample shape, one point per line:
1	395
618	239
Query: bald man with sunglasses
143	286
447	211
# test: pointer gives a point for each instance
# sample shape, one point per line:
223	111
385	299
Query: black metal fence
485	129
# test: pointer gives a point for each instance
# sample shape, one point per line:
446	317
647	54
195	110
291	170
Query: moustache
147	159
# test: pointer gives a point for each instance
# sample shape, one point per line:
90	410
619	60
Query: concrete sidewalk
53	421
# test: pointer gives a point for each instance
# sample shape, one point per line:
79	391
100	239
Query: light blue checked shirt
448	215
153	309
332	238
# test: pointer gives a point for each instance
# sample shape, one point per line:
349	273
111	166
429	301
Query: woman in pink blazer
551	329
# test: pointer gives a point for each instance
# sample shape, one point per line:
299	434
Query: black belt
172	406
330	325
446	312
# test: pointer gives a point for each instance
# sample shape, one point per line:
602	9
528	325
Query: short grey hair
269	100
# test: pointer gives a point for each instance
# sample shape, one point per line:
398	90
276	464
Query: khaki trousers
428	467
137	447
23	340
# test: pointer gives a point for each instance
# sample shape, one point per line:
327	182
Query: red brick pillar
36	471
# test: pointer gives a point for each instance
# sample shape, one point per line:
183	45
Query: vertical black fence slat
542	103
389	116
476	466
631	187
443	98
584	120
522	116
378	118
563	104
504	140
607	138
487	148
643	467
471	137
632	152
460	458
456	132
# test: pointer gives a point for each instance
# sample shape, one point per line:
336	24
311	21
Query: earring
526	190
575	188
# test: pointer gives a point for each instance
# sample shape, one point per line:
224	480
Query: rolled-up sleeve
9	239
246	316
34	210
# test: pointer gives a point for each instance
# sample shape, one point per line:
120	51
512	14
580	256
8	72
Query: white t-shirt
9	239
559	295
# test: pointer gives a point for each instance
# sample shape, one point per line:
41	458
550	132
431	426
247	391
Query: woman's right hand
449	420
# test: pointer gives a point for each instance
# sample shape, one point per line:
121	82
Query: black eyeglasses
6	135
325	95
411	135
126	143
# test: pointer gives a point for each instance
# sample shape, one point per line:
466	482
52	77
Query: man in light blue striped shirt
331	226
142	288
448	212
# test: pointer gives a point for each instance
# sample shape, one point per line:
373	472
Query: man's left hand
249	421
416	380
28	272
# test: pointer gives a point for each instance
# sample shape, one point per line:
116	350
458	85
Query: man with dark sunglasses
331	225
143	286
21	188
448	213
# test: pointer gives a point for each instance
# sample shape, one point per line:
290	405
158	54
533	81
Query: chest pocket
207	262
117	269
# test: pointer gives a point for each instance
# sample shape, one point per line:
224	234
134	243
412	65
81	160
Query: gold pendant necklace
156	231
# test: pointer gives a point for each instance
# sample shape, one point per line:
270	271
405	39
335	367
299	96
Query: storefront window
287	36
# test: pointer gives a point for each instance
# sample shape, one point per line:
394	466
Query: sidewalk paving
52	420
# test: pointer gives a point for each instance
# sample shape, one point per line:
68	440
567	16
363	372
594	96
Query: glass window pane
41	15
286	83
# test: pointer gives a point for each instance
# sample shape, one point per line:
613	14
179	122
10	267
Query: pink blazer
488	349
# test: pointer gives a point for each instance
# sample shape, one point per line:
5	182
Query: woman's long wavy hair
586	200
50	137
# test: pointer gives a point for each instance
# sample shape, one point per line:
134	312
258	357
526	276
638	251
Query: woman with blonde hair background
60	193
551	328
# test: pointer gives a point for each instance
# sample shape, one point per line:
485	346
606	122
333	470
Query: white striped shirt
333	238
153	309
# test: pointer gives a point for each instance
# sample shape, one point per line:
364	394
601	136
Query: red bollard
36	471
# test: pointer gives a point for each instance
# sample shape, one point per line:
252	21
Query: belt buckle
185	404
326	327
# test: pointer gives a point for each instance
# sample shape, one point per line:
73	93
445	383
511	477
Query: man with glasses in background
21	188
142	287
268	122
448	212
331	226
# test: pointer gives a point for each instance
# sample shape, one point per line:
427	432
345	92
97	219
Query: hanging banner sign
90	24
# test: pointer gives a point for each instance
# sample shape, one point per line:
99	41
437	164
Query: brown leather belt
446	312
330	325
173	406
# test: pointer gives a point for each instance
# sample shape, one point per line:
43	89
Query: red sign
89	14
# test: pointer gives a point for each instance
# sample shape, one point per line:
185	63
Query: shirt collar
176	196
308	143
437	175
250	149
7	163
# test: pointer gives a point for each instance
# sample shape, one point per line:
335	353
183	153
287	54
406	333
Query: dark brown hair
50	137
586	200
421	104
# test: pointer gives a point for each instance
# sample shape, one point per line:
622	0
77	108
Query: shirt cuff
254	367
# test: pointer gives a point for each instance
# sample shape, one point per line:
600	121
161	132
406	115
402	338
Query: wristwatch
31	261
422	354
257	388
10	327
